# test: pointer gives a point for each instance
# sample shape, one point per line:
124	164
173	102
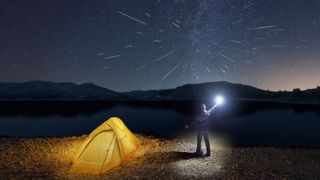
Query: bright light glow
219	100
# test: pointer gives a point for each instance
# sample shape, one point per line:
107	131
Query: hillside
41	90
205	91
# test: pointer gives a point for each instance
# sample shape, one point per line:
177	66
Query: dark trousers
206	140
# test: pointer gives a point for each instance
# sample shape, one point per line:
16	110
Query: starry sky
128	45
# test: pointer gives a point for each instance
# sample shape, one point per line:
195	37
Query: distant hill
41	90
201	91
205	91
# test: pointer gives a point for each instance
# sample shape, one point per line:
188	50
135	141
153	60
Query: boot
198	152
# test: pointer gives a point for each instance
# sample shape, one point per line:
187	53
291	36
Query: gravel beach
50	158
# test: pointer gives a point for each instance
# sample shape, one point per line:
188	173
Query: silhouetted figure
202	124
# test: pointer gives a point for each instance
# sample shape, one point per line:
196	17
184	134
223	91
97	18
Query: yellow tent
105	148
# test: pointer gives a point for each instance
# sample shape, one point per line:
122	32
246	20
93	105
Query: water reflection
238	122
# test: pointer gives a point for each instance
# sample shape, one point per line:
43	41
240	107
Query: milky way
149	44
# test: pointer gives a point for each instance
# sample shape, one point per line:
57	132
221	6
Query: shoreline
130	101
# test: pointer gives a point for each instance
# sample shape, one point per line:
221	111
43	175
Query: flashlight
219	100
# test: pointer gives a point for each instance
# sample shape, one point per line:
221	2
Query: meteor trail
132	18
176	25
141	67
278	46
164	56
156	41
209	71
107	67
226	57
247	6
128	46
238	21
173	69
227	67
262	27
112	57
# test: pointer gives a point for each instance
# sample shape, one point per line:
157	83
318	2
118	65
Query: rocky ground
50	158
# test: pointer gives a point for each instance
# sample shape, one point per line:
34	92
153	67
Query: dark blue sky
150	44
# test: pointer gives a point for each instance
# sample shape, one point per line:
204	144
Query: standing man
202	124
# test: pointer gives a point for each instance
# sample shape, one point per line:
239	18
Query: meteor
278	46
164	56
226	57
173	69
132	18
112	57
262	27
141	67
247	6
176	25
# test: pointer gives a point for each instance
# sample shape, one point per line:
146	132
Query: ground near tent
22	158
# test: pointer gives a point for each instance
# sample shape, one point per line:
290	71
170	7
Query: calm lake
237	122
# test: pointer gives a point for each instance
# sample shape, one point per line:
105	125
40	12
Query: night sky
150	44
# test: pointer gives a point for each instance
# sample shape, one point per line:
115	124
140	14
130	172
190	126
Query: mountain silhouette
42	90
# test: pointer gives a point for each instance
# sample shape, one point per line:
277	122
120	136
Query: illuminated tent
105	148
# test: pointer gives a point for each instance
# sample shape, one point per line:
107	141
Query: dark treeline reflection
244	123
190	108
